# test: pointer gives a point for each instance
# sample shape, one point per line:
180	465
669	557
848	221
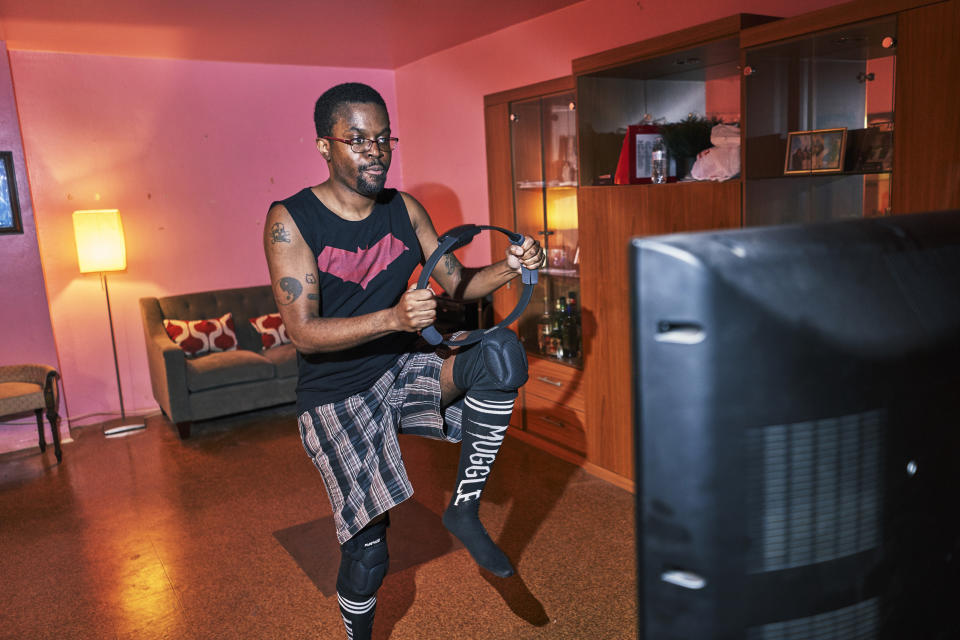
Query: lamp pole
113	343
123	427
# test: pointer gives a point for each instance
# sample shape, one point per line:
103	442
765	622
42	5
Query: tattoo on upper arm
313	296
310	279
288	290
279	233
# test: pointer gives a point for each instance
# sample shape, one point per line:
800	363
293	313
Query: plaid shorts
353	442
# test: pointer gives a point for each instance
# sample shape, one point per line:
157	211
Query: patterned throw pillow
197	337
271	330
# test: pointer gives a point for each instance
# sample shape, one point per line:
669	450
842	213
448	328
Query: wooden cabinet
772	77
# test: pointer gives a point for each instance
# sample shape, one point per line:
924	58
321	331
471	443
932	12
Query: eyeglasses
362	145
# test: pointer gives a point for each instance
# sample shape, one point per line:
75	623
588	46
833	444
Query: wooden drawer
556	381
560	424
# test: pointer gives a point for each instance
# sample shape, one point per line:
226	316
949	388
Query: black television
797	431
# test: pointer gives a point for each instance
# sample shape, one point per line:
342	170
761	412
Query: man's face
364	172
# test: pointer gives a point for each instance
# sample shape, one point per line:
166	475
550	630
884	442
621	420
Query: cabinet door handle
555	383
554	422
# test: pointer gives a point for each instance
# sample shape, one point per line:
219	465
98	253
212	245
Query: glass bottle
658	162
571	332
557	338
544	330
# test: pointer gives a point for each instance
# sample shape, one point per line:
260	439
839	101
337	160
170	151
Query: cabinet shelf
575	363
537	186
560	273
824	175
682	185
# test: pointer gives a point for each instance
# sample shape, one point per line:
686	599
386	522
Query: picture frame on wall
9	204
815	151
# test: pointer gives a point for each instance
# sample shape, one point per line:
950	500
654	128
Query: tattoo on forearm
451	264
279	233
288	290
310	279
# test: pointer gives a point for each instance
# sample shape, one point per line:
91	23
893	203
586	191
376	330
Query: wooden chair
32	387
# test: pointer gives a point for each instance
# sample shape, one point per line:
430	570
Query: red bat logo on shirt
363	265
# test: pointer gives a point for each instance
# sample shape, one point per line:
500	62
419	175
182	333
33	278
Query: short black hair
324	112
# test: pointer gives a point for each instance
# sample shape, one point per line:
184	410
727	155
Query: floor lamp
100	248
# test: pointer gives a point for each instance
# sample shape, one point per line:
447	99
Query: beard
370	185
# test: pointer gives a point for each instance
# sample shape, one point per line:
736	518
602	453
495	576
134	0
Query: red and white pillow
271	330
197	337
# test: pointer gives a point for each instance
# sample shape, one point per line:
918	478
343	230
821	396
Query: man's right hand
416	310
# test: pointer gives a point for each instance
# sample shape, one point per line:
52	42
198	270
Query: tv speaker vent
815	490
856	622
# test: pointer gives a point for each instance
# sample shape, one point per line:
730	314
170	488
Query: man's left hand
530	255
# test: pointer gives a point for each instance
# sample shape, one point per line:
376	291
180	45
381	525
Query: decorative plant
690	136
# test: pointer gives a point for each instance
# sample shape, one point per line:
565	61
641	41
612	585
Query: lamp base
122	429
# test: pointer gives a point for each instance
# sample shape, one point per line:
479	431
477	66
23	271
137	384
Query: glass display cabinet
702	81
543	142
532	168
819	125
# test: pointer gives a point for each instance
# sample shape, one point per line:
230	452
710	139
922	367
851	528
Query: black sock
486	416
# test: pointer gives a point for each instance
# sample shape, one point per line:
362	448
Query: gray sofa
216	384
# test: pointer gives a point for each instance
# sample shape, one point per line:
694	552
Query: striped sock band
494	407
357	616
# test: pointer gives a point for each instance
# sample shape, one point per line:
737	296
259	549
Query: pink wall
441	96
192	153
24	316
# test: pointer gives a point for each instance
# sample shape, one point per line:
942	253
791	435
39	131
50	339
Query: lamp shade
562	209
99	235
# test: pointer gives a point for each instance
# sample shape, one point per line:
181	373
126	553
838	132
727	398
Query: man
340	255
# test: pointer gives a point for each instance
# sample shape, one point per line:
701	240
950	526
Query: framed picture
9	205
873	150
641	146
819	151
634	165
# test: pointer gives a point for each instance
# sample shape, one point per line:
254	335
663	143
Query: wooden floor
229	535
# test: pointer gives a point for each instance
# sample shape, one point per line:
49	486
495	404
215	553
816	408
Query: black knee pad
364	561
497	363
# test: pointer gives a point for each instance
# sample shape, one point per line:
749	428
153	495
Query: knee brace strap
497	363
364	561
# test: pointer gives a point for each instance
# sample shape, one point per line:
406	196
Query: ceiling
379	34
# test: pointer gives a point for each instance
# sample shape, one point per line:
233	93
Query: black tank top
364	266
